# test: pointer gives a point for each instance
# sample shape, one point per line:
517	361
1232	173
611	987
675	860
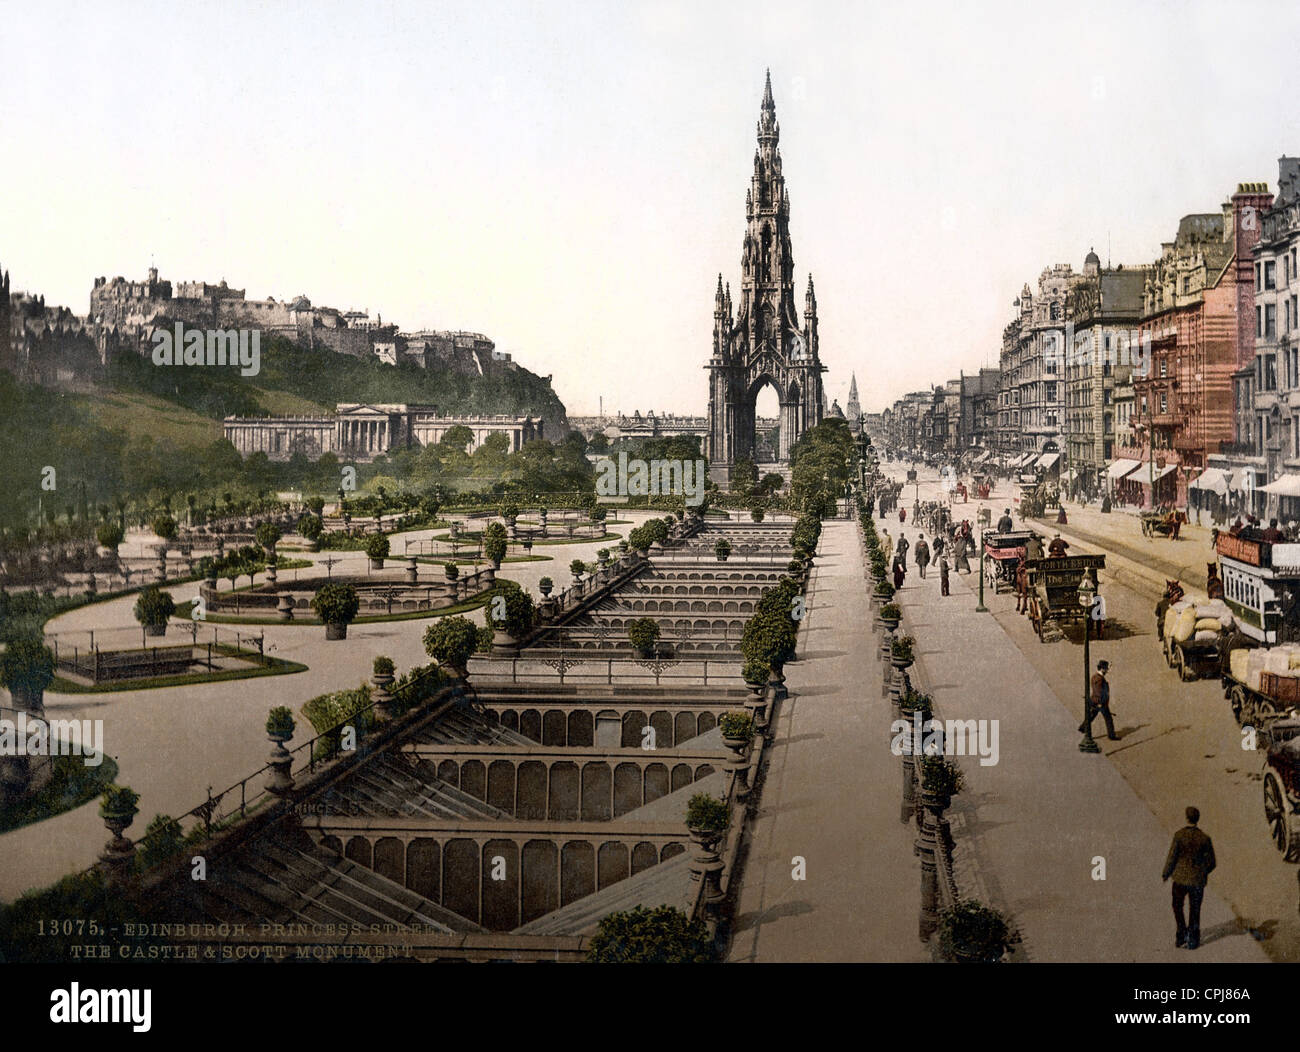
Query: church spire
769	131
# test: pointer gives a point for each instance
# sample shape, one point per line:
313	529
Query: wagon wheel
1180	664
1254	710
1283	826
1237	699
1168	652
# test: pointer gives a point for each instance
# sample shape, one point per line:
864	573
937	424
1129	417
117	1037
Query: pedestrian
900	567
963	546
943	575
1005	524
902	514
1190	861
887	544
1099	702
1022	586
922	556
1056	550
938	545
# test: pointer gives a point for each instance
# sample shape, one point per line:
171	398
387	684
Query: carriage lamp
1087	594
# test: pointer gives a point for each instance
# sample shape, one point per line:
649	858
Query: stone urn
279	781
284	608
503	642
412	570
707	865
890	623
382	696
546	589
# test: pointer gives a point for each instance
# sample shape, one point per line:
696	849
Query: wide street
1179	743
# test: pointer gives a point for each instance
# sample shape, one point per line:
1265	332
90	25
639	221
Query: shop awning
1214	480
1146	476
1048	460
1121	468
1284	486
1244	480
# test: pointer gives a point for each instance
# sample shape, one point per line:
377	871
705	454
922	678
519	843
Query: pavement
831	795
1035	827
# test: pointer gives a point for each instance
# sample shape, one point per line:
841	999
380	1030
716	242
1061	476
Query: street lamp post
980	607
1087	594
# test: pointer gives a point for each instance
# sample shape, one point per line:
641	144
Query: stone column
412	571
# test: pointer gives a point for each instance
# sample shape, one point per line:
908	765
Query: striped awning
1213	480
1283	486
1121	468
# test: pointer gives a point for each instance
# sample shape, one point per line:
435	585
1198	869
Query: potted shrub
884	591
643	633
941	780
901	651
755	674
972	933
377	549
495	544
310	528
337	606
706	816
756	512
890	615
546	586
602	557
623	546
916	703
118	804
722	550
510	513
109	535
518	617
26	669
153	608
451	641
736	727
451	570
383	669
794	567
577	568
280	724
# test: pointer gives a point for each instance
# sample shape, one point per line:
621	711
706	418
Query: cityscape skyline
549	181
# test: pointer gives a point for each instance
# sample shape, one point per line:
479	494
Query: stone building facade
361	432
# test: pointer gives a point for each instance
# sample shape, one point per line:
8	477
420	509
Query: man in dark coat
1099	702
1005	524
922	556
1190	861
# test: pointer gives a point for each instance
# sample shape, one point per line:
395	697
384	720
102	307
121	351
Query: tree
662	935
494	542
451	641
26	669
310	527
109	535
599	443
519	610
336	604
577	568
743	476
377	548
165	527
268	536
457	437
643	633
154	607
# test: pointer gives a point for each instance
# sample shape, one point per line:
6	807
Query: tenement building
363	432
1275	434
1103	309
1198	313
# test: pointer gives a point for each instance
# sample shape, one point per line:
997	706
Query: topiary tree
153	609
280	723
706	814
26	669
336	605
495	544
662	935
377	549
268	536
643	633
165	527
510	512
722	550
109	535
450	641
519	612
577	568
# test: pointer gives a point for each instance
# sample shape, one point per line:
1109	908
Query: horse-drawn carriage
983	485
1054	590
1164	522
1002	554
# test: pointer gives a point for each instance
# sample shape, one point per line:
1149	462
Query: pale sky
570	178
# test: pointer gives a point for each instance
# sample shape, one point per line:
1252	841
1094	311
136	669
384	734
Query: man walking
922	556
943	575
1099	702
1005	524
1191	858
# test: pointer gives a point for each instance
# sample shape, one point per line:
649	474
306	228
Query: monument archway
762	345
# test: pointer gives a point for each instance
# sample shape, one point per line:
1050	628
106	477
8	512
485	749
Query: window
1269	380
1270	321
1256	277
1270	274
1164	366
1164	402
1050	394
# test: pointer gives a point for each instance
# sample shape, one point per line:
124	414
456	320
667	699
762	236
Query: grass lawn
71	786
269	666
